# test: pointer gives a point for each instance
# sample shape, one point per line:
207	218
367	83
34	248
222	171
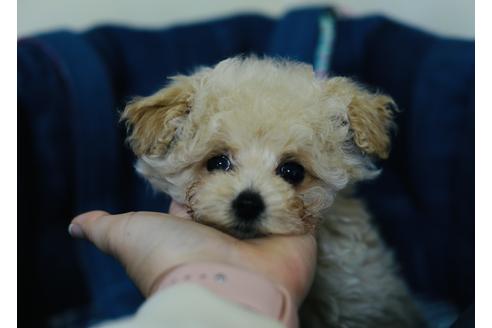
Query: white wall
448	17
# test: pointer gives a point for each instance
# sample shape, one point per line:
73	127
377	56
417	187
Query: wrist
245	288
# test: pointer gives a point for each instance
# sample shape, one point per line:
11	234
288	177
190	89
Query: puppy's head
258	147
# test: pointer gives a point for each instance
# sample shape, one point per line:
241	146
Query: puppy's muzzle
248	206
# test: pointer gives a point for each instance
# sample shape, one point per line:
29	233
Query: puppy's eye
291	172
220	162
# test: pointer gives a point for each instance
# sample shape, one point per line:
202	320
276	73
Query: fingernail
75	230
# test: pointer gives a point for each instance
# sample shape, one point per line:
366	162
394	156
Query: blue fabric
424	200
73	158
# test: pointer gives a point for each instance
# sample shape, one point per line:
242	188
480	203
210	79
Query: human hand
149	244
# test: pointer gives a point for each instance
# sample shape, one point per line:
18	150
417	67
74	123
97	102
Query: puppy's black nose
248	205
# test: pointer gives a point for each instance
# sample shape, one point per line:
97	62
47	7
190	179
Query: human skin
149	244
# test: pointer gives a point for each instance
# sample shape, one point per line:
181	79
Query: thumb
100	228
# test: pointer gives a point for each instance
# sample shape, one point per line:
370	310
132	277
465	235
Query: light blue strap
325	44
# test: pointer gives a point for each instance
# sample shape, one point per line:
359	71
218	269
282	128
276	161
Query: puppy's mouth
244	231
239	230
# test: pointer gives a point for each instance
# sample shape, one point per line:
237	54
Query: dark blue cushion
73	158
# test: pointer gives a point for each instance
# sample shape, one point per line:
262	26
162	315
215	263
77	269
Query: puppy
256	147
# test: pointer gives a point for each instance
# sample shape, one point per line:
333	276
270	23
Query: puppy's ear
153	120
370	116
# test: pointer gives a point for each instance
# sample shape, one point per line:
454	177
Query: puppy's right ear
370	115
153	120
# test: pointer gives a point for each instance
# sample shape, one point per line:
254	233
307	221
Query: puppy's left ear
370	116
153	120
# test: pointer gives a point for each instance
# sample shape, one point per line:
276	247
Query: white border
483	164
8	177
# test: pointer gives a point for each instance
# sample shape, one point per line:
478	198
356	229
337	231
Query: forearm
190	305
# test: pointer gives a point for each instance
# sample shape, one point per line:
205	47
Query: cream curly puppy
256	147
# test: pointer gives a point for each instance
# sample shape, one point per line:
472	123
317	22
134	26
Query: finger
178	210
100	228
75	227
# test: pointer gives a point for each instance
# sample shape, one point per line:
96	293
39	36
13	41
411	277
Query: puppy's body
258	147
356	283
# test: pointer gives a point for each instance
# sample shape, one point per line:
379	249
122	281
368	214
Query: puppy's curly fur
259	114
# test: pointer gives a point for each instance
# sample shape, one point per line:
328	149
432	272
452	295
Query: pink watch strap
239	286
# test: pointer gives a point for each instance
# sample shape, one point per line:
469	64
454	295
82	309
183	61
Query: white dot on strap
220	278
